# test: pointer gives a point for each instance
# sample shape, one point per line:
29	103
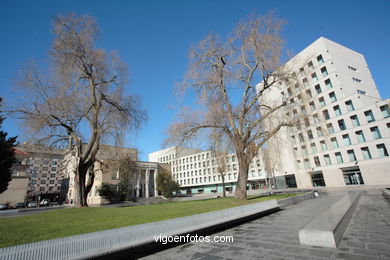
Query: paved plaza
276	236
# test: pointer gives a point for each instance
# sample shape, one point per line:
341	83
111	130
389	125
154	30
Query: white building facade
345	137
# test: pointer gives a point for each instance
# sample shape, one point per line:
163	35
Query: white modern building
342	139
345	137
200	171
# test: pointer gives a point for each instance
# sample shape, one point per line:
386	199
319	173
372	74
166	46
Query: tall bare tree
225	75
81	99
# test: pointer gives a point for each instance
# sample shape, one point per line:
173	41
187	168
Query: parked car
44	203
3	206
32	204
20	205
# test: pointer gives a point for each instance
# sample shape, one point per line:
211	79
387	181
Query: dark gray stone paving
276	236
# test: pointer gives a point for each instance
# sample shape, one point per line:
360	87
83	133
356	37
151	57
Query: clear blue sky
153	38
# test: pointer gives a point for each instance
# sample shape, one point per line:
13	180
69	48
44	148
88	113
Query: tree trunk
240	192
81	192
223	185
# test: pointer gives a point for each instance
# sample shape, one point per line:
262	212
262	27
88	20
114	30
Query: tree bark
241	192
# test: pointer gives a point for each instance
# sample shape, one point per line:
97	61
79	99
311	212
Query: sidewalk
276	236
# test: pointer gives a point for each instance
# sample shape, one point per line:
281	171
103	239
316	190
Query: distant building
17	188
106	171
44	170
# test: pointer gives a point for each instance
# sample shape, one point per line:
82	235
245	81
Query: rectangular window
312	106
325	113
337	110
369	116
349	106
360	136
356	80
324	72
310	65
347	140
352	68
310	134
308	93
328	84
366	153
305	83
316	119
355	120
322	101
351	155
330	129
304	150
318	89
382	150
324	147
327	159
313	148
339	158
317	162
307	164
341	124
301	139
320	60
335	144
320	132
376	134
314	77
361	92
385	111
332	97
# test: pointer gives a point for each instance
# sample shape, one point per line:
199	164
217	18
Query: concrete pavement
276	236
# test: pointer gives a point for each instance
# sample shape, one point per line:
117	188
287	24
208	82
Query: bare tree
81	100
225	75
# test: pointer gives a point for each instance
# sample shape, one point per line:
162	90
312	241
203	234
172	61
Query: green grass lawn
73	221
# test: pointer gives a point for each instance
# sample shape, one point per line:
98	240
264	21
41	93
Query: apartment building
44	171
199	171
344	134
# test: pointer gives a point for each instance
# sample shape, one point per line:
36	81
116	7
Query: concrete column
147	183
155	181
137	187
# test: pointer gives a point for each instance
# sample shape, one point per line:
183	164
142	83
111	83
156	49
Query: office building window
335	144
360	136
341	124
313	148
324	147
310	65
332	97
307	163
355	120
385	111
330	129
328	84
318	89
351	155
304	150
308	93
312	106
314	77
376	134
352	68
310	134
320	60
305	83
366	153
361	92
301	139
316	119
382	151
317	162
369	116
322	101
324	72
339	158
347	140
327	159
320	132
337	110
349	106
356	80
